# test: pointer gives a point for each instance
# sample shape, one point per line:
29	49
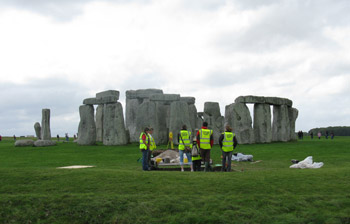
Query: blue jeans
145	159
226	156
189	157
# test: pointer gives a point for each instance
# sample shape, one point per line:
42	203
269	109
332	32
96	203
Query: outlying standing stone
87	127
45	122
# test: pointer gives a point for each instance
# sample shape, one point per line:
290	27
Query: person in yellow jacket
152	146
144	147
205	141
196	160
184	139
227	142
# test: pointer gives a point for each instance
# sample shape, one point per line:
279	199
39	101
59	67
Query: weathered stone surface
212	115
37	129
99	123
212	109
262	99
188	99
114	132
165	97
179	116
108	94
161	126
237	115
293	115
281	123
192	110
146	116
95	101
262	123
142	93
87	126
44	143
23	143
131	109
45	122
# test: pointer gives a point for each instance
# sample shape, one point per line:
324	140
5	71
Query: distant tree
338	130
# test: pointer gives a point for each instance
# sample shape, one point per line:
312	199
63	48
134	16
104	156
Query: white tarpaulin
307	163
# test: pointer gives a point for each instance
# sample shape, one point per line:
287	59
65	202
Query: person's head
205	124
146	130
228	128
150	130
184	127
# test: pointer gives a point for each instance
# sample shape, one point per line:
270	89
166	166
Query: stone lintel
142	93
262	99
108	93
188	99
105	100
165	97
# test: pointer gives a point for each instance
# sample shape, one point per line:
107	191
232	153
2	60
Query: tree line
338	131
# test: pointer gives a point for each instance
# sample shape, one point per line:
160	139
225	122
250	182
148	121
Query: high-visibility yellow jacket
204	138
227	142
152	142
185	139
142	145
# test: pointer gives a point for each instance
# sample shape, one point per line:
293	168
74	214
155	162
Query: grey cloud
22	104
62	10
286	23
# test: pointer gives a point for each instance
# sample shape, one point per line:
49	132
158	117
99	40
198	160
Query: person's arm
211	140
198	140
220	140
235	142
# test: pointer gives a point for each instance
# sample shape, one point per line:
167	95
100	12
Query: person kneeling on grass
196	160
184	138
227	142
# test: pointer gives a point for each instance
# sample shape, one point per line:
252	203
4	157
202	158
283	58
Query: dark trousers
145	159
205	154
226	157
196	165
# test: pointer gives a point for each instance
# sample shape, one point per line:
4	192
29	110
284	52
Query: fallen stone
23	143
44	143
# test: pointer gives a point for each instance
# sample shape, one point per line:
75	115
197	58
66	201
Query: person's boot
206	169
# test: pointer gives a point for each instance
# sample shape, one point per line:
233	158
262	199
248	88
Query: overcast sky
56	53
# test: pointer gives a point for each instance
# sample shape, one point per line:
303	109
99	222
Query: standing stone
99	123
262	123
146	116
212	115
161	127
192	110
237	115
45	122
87	126
131	109
293	115
37	129
281	123
179	116
114	132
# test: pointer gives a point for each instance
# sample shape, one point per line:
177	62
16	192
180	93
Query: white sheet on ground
307	163
242	157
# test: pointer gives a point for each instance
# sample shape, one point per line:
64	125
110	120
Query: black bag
187	148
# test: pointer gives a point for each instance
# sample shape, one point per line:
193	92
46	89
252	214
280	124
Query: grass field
32	190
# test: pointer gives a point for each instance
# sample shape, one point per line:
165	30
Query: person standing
196	160
319	135
144	147
312	135
151	147
205	142
58	138
227	142
184	139
0	138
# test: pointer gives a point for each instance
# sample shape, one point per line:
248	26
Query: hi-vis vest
142	145
227	142
185	135
204	135
153	143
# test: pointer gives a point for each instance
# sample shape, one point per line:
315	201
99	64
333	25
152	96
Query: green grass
32	190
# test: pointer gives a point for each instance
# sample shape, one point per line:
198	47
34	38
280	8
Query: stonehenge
273	118
283	125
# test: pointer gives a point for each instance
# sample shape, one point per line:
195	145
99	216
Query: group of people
203	141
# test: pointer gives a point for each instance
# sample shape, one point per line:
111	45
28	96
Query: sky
56	53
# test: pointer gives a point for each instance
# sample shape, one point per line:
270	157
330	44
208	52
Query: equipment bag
195	151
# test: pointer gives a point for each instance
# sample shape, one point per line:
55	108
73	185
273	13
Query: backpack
195	151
